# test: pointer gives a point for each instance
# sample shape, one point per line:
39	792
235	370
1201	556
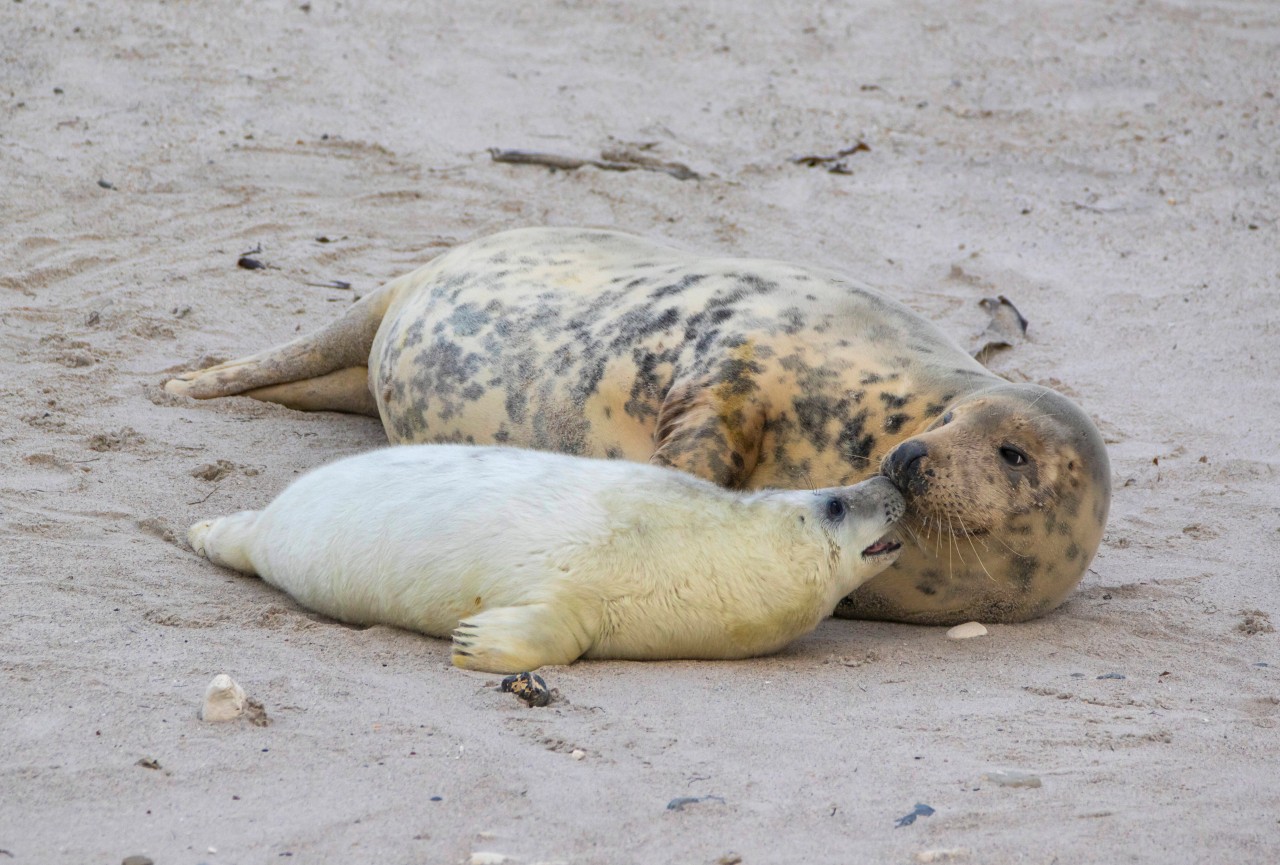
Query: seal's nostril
905	459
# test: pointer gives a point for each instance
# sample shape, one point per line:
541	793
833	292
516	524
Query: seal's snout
904	465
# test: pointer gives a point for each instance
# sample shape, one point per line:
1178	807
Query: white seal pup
530	558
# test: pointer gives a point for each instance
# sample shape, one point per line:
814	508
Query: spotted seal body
530	558
745	372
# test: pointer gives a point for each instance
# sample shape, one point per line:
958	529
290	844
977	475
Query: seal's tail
225	540
322	371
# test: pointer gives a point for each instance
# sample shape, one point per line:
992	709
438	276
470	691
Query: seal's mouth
883	547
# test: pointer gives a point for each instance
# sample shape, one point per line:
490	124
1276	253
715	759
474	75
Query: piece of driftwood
835	162
615	159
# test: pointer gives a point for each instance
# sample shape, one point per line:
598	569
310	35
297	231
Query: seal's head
859	519
1007	496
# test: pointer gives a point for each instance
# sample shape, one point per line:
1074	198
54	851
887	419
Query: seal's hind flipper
346	390
224	541
518	639
322	371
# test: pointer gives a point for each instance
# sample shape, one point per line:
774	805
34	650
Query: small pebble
138	860
578	753
1011	778
967	631
1111	676
946	854
224	700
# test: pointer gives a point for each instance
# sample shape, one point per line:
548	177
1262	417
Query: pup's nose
902	465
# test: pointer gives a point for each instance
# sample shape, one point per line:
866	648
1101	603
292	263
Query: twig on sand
610	160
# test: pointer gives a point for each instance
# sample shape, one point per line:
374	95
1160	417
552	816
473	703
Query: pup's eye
835	510
1014	457
946	418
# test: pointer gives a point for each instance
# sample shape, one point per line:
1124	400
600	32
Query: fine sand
1110	167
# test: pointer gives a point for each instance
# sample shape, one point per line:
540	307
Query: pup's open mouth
882	547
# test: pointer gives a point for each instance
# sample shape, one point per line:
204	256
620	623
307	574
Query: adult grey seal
749	373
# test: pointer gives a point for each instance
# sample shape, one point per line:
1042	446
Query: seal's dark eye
835	510
1014	457
946	418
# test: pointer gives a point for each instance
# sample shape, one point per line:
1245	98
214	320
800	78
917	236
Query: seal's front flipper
332	361
519	639
712	427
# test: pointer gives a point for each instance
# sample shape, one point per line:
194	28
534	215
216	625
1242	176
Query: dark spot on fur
871	378
757	285
467	320
1073	550
893	423
516	403
892	401
792	320
1069	503
680	287
813	413
1024	570
854	443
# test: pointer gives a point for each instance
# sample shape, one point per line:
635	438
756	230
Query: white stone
967	631
482	857
578	754
942	855
224	700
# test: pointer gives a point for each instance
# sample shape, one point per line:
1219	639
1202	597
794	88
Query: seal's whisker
956	539
981	564
1004	544
951	542
911	533
1041	396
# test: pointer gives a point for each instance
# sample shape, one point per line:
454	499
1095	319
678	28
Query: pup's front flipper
519	639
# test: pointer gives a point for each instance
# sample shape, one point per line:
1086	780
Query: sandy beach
1110	167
